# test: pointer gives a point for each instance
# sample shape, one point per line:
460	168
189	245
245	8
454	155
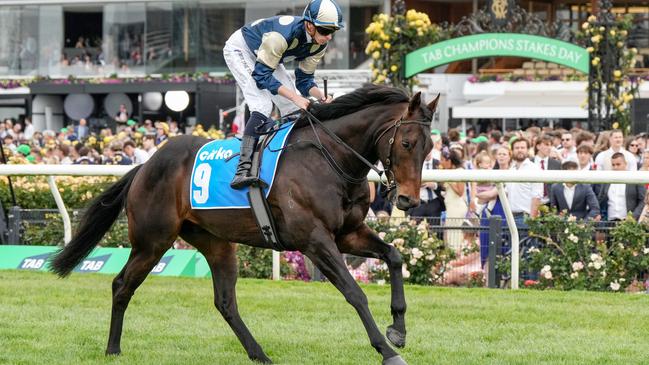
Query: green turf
46	320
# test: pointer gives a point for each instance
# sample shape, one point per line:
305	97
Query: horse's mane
357	100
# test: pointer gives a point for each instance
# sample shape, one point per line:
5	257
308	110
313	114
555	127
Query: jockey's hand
301	102
327	100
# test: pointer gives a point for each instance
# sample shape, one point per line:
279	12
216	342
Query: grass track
46	320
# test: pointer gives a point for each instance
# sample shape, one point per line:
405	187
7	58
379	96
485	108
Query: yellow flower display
392	36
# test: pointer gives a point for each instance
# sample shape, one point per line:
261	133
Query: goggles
325	31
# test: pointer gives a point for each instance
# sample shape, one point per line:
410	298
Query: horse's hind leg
147	251
325	255
364	242
222	260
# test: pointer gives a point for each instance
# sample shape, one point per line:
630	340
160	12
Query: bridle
391	183
387	164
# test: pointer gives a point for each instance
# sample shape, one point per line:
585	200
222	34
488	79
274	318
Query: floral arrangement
570	255
611	62
212	133
115	79
425	257
391	37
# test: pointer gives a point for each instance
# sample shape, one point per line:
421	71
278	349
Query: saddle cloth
212	172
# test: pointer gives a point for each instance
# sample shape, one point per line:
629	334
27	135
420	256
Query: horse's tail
95	222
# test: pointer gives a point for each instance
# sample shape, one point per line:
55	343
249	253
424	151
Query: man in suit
620	199
578	200
542	159
430	194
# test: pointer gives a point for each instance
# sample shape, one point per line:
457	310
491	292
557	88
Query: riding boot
242	177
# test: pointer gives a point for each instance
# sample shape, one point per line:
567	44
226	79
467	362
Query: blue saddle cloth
211	174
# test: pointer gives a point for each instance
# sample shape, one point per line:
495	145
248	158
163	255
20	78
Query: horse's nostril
404	200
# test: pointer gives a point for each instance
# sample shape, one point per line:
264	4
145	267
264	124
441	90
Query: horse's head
409	143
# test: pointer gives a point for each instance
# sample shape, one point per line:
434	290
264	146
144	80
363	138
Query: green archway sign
497	44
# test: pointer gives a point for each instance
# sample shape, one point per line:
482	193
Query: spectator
568	150
148	143
631	144
545	162
585	137
524	198
436	137
503	158
455	200
430	195
117	156
585	158
122	114
137	155
618	200
162	132
577	200
29	129
82	131
84	158
616	140
63	155
494	139
8	141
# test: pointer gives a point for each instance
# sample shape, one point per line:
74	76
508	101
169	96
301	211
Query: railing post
14	219
495	240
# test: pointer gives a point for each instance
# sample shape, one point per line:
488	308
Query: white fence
497	176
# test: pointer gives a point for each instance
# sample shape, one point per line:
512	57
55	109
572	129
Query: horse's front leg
364	242
324	253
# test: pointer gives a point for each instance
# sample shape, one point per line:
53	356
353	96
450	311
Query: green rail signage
104	260
497	44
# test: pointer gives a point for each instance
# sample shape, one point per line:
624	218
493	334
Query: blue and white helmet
324	13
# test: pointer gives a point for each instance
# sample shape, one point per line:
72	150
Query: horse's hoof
263	359
397	338
395	360
113	352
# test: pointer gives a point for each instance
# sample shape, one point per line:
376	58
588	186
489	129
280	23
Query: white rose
574	275
645	250
573	238
546	268
416	253
413	261
405	272
548	275
594	257
566	231
576	266
615	286
597	265
382	235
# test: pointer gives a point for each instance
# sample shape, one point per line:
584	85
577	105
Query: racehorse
316	211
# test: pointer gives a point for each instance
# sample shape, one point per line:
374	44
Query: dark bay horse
316	211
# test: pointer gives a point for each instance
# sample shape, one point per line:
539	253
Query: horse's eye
405	144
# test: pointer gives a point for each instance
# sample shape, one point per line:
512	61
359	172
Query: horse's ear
415	103
433	104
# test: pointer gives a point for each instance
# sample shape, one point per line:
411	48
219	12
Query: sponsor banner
497	44
101	260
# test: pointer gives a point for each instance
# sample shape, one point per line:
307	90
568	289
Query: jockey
255	55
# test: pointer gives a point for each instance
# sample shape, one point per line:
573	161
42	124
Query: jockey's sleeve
272	48
305	70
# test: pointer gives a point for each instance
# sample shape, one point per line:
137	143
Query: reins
387	171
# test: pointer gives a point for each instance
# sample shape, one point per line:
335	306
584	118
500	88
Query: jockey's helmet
325	14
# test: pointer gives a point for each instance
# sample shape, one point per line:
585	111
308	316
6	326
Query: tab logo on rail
34	262
94	264
162	265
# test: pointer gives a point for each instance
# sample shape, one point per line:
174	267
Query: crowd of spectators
469	204
131	143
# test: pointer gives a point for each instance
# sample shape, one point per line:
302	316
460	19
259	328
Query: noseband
389	174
